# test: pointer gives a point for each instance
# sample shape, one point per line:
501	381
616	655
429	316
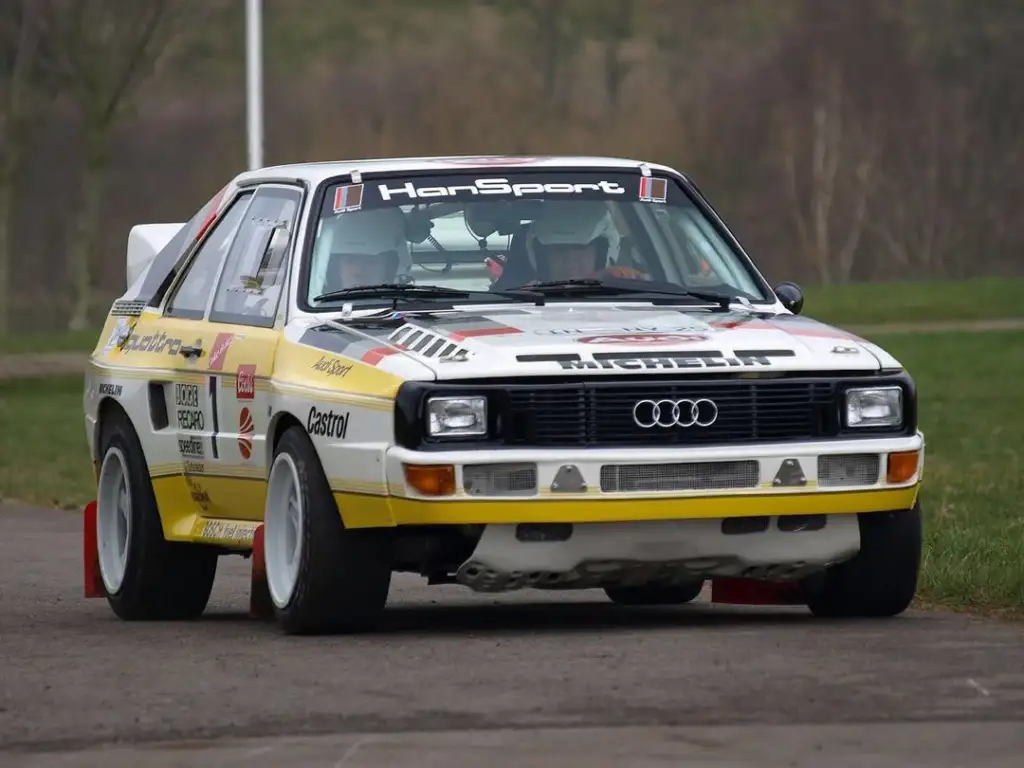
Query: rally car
502	372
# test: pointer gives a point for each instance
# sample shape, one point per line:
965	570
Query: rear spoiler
145	241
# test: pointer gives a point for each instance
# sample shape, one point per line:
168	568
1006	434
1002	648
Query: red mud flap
91	553
260	604
754	592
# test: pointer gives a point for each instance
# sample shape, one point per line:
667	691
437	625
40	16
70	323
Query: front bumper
660	484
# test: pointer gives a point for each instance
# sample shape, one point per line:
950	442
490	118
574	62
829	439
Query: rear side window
193	293
166	263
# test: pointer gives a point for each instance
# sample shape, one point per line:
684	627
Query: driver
574	240
367	248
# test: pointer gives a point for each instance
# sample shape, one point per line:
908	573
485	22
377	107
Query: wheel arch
107	409
280	422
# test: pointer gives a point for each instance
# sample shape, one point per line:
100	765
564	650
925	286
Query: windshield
486	233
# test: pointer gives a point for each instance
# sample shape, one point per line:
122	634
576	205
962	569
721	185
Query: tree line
873	140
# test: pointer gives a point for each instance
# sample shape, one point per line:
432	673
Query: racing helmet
572	222
377	232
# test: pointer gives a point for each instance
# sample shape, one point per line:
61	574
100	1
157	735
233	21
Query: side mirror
791	296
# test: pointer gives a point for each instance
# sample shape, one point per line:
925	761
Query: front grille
601	414
696	476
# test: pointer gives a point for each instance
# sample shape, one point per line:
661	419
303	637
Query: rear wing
145	241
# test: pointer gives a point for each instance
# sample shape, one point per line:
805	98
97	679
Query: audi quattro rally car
502	372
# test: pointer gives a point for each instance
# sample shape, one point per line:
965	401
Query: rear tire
880	581
145	577
655	594
323	579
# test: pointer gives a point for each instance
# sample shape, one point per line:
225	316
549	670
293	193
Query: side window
254	277
193	292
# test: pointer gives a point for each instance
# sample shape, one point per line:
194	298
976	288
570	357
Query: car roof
315	172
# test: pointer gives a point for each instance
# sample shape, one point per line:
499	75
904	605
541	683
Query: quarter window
193	294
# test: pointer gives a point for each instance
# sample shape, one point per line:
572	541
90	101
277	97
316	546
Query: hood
558	339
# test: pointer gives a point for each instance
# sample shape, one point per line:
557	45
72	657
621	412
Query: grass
973	492
21	343
43	445
981	298
971	414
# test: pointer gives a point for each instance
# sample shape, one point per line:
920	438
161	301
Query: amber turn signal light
902	466
431	479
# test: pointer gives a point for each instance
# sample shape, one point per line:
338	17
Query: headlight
456	416
874	407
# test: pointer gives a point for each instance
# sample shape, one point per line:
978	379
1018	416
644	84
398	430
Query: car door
239	341
189	400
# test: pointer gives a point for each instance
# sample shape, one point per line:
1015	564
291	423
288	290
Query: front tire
880	581
145	577
677	594
322	578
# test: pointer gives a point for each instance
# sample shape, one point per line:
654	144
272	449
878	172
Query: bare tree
100	52
19	35
830	185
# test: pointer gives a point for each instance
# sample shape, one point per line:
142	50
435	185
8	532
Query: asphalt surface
524	679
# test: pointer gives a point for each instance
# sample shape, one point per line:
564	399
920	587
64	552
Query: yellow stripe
367	512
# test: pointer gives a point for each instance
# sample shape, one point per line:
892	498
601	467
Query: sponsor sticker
189	412
192	447
496	187
331	366
348	198
327	423
225	530
200	496
118	334
615	330
653	190
194	467
643	338
499	160
113	390
219	351
245	382
665	362
246	430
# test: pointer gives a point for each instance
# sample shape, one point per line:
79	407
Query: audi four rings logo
675	413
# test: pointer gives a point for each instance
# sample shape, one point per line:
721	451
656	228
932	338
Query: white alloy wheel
282	529
113	519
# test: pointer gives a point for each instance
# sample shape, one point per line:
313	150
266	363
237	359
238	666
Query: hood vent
424	343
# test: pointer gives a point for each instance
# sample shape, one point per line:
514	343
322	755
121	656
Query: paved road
454	678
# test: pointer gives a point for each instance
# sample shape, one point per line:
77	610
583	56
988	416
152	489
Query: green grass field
982	298
971	412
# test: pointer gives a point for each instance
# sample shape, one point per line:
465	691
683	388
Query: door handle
190	351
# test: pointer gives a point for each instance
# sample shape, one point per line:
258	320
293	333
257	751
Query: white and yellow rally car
502	372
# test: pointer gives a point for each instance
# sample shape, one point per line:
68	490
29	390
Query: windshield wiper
397	291
619	286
